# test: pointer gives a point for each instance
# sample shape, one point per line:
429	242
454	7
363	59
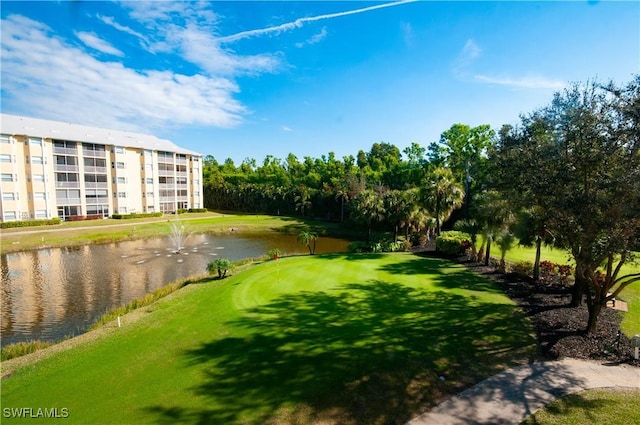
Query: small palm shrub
221	266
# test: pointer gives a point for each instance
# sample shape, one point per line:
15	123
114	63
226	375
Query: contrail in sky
299	22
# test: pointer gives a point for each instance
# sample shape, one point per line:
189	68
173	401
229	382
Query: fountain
178	236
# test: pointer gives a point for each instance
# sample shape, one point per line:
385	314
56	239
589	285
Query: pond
50	294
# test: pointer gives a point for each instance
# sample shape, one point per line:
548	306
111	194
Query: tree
588	181
221	266
303	200
531	229
368	209
506	241
441	195
308	238
473	228
493	213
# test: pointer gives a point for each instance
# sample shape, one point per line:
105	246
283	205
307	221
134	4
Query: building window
122	194
122	180
119	149
5	138
7	177
120	165
5	158
39	178
35	141
149	194
10	215
37	160
9	196
149	180
41	214
40	195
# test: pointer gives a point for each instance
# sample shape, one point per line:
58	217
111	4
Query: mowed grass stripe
310	339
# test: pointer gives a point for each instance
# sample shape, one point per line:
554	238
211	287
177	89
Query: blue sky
250	79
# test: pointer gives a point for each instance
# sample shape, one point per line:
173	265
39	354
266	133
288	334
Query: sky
239	79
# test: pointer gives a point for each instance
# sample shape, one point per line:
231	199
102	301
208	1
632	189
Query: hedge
29	223
136	215
453	242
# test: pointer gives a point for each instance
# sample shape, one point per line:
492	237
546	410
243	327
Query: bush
378	246
524	268
221	266
29	223
197	210
453	242
136	215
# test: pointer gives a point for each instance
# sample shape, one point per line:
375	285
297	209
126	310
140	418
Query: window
119	149
8	196
5	138
37	160
122	180
195	159
120	165
63	160
5	158
122	210
35	141
38	178
41	213
67	177
10	215
149	180
7	177
40	195
95	162
122	194
149	194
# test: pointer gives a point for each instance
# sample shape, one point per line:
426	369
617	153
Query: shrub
220	265
22	348
29	223
136	215
564	271
378	246
453	242
524	268
274	253
197	210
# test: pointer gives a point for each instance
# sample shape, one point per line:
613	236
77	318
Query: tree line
567	174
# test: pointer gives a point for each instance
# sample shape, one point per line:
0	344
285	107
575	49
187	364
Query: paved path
513	395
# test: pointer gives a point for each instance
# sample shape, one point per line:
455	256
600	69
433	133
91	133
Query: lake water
50	294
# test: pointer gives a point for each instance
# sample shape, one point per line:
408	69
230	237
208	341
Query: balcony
67	201
98	200
164	173
166	159
96	185
166	186
96	170
167	199
94	153
64	167
181	174
67	185
181	161
65	151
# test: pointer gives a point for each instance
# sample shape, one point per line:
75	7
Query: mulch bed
560	329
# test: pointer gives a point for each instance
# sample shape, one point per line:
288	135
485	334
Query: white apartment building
55	169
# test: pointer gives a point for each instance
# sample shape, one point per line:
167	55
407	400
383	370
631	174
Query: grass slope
351	339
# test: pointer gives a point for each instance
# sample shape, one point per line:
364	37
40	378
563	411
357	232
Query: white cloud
95	42
407	33
531	82
298	23
470	52
285	128
111	22
316	38
44	76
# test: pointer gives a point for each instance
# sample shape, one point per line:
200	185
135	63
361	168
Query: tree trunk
395	233
488	254
536	264
577	293
594	311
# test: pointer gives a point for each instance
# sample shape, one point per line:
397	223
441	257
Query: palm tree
492	211
506	241
442	195
303	200
306	237
369	209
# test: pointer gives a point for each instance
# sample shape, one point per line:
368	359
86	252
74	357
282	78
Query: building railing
166	186
67	201
94	153
96	185
63	167
167	198
164	173
98	200
181	161
97	170
68	185
65	151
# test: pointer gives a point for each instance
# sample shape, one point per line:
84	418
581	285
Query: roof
35	127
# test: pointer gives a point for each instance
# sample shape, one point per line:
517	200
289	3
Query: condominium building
55	169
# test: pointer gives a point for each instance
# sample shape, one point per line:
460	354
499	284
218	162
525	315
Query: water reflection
53	293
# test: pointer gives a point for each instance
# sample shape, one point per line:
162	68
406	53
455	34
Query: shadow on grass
368	353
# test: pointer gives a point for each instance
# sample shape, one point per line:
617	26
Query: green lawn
351	339
602	406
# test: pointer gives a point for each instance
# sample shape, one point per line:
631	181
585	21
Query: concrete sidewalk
513	395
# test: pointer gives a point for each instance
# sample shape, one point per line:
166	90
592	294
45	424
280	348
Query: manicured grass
352	339
602	406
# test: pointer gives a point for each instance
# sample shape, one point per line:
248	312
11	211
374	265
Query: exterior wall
53	177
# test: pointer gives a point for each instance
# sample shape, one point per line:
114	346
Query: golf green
350	339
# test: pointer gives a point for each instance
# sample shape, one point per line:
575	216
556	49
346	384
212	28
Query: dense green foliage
29	223
136	215
453	243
